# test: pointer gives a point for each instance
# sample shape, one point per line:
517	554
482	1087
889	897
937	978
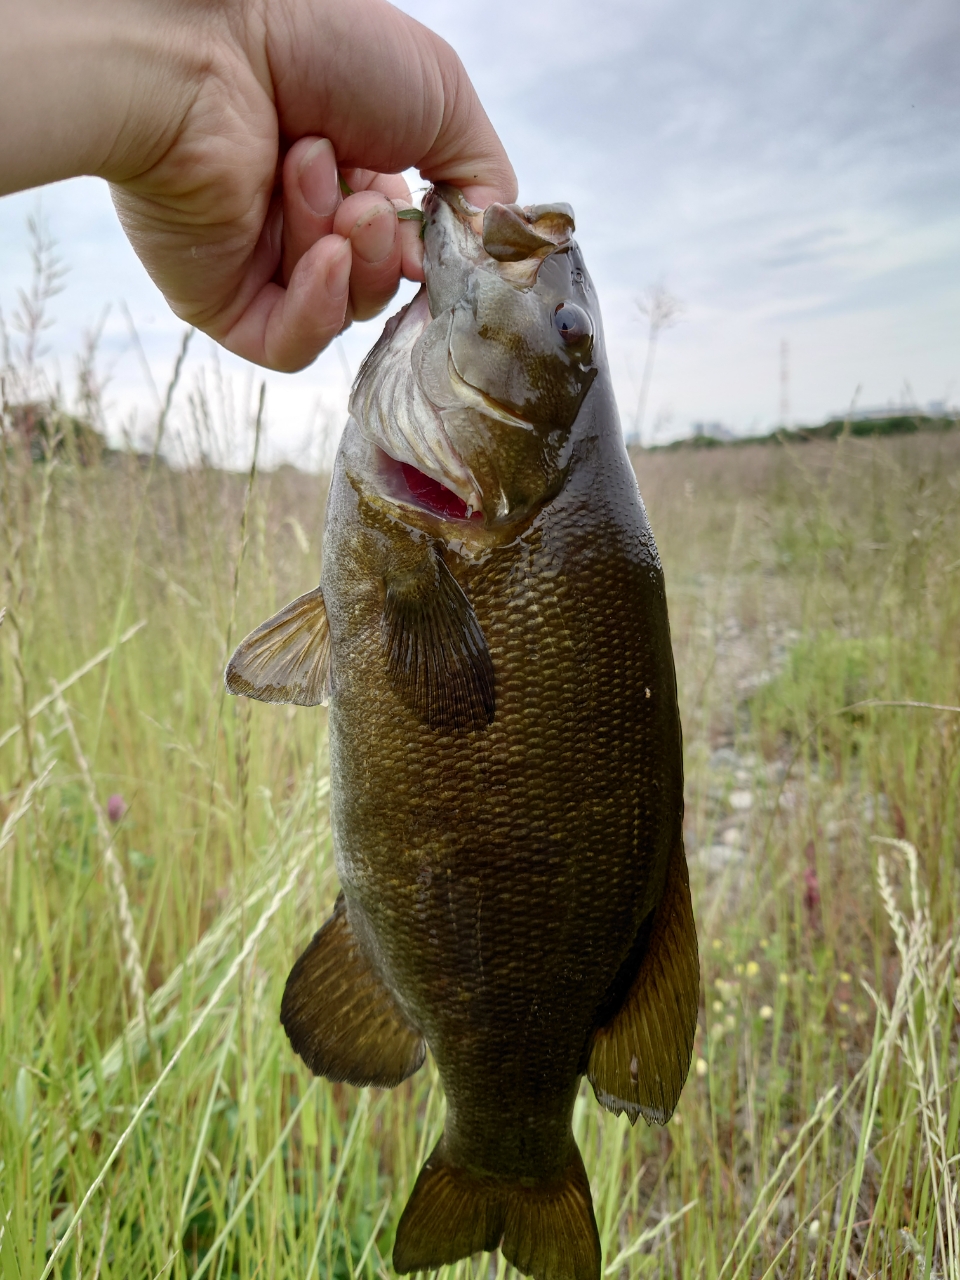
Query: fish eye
572	323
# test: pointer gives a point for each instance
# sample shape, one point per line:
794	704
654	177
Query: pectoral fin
287	658
341	1018
641	1055
436	652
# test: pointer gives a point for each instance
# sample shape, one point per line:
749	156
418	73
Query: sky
789	172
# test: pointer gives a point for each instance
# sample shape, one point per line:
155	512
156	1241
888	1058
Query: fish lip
454	197
536	245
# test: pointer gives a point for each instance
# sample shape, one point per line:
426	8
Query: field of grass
165	855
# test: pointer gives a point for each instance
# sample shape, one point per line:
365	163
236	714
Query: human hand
221	127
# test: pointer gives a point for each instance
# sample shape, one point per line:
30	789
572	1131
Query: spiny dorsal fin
546	1229
640	1058
437	655
341	1018
287	658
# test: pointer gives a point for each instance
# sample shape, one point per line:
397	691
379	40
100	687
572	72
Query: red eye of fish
437	497
571	322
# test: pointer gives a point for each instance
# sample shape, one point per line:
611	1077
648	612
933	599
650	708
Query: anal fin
545	1229
640	1056
341	1018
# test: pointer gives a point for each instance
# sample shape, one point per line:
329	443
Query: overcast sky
791	172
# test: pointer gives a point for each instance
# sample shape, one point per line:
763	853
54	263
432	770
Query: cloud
792	171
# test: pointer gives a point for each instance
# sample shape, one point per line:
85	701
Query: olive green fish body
506	774
504	881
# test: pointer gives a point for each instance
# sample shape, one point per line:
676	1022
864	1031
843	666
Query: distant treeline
902	424
45	431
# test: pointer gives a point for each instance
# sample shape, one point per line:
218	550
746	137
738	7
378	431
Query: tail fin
550	1231
546	1230
451	1214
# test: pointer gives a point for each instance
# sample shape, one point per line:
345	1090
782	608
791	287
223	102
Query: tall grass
165	854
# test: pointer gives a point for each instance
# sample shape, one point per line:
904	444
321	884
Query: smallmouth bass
506	775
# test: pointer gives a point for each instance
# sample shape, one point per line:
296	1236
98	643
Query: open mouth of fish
404	483
415	461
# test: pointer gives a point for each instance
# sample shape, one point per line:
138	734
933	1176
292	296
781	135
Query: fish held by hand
506	777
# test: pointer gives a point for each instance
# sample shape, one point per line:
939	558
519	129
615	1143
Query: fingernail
374	236
338	272
317	176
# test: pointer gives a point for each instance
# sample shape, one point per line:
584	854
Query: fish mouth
508	233
396	416
507	239
408	486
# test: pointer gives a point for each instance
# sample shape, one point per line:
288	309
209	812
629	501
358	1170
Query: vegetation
165	855
896	424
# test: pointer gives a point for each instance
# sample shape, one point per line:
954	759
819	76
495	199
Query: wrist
97	87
